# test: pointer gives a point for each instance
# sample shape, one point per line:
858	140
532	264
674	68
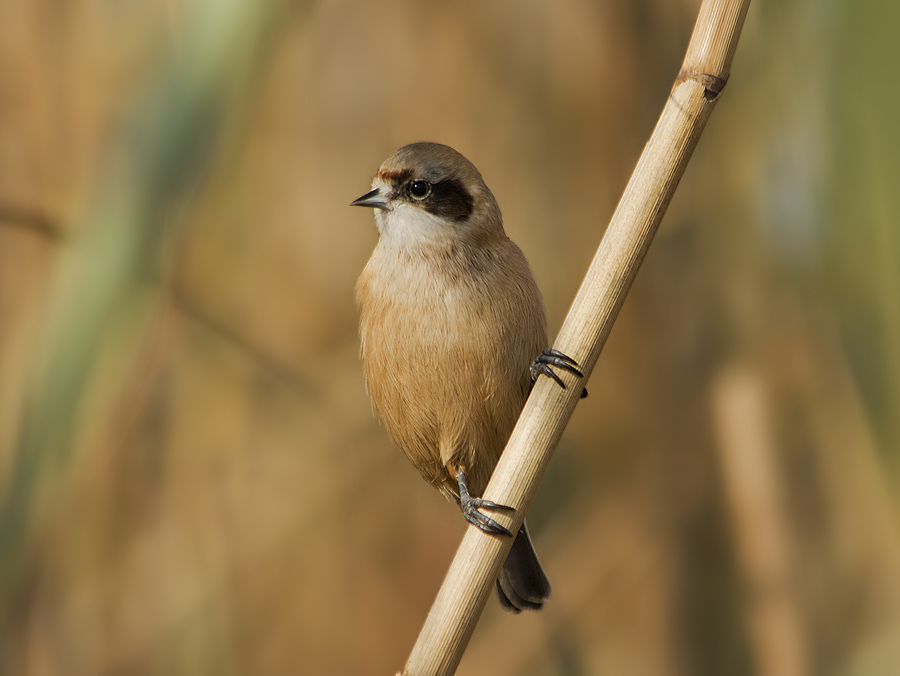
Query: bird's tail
522	583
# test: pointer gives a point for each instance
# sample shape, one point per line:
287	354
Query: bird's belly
447	389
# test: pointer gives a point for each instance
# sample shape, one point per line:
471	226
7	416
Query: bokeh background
191	479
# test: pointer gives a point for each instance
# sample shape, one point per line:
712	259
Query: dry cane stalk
762	539
459	602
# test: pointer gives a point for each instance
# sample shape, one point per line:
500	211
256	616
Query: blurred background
191	478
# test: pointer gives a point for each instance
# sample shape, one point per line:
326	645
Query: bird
453	335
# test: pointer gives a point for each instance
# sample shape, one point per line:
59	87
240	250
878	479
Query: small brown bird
453	336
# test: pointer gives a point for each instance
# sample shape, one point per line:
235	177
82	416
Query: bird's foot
471	505
545	360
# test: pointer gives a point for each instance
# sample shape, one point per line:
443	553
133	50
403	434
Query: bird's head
427	193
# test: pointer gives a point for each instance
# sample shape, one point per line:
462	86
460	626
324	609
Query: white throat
405	225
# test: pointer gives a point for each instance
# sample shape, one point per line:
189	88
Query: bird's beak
372	198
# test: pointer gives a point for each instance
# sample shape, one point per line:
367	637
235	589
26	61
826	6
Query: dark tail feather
522	583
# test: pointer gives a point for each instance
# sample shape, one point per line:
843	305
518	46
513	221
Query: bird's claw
550	357
470	510
470	506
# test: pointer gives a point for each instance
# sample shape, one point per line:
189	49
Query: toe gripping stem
470	508
541	366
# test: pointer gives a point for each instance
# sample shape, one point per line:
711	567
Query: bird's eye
419	189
